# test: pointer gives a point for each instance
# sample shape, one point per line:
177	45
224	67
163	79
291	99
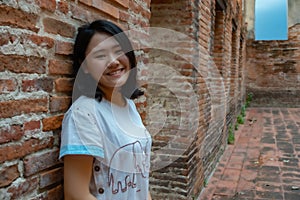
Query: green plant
250	96
205	182
249	99
236	127
240	119
230	139
243	111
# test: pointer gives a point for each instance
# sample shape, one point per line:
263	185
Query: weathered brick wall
200	69
213	71
174	87
36	39
226	42
273	70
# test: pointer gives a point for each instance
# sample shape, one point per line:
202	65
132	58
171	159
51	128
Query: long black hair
84	83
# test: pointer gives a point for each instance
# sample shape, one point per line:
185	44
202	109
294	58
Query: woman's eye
101	56
119	52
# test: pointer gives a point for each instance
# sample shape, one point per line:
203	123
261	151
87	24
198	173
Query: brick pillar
172	89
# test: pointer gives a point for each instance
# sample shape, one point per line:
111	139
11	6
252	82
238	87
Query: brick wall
212	70
35	85
194	83
175	86
273	70
227	49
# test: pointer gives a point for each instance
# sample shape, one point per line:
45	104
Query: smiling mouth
115	72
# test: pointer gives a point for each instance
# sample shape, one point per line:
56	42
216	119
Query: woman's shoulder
130	102
83	104
84	99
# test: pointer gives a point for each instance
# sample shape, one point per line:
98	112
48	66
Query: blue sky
271	20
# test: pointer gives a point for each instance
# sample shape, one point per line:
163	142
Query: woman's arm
77	176
149	196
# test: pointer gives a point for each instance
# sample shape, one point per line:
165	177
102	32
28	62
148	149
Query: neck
114	96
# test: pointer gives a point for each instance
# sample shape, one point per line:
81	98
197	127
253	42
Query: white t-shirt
117	139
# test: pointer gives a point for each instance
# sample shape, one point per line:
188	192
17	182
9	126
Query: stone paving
264	161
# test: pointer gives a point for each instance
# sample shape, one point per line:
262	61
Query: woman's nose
113	61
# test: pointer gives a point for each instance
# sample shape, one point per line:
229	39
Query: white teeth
115	72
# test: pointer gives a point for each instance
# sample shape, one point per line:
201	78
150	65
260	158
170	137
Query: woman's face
106	62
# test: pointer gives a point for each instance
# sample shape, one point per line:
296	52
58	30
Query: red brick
60	67
43	84
106	8
56	193
8	174
146	14
51	177
32	127
148	2
16	107
161	1
18	18
232	175
22	64
86	2
226	188
59	103
135	7
52	123
7	85
22	187
14	151
40	161
124	3
64	85
140	10
63	48
79	13
41	41
4	39
58	27
63	7
124	16
11	133
49	5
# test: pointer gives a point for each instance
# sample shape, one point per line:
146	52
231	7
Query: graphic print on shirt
134	157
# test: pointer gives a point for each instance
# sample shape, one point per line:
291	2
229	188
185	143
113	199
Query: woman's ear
84	69
83	65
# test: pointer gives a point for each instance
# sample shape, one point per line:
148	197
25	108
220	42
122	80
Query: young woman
104	144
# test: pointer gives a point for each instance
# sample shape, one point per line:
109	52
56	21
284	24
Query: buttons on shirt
97	168
101	190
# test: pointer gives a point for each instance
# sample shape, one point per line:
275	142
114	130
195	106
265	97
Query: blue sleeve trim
81	150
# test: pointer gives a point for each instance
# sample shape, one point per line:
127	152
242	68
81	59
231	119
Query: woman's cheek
96	69
124	61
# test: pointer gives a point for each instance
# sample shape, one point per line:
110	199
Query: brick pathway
264	161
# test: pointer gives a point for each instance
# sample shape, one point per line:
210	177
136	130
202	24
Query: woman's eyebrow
116	46
96	51
102	50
